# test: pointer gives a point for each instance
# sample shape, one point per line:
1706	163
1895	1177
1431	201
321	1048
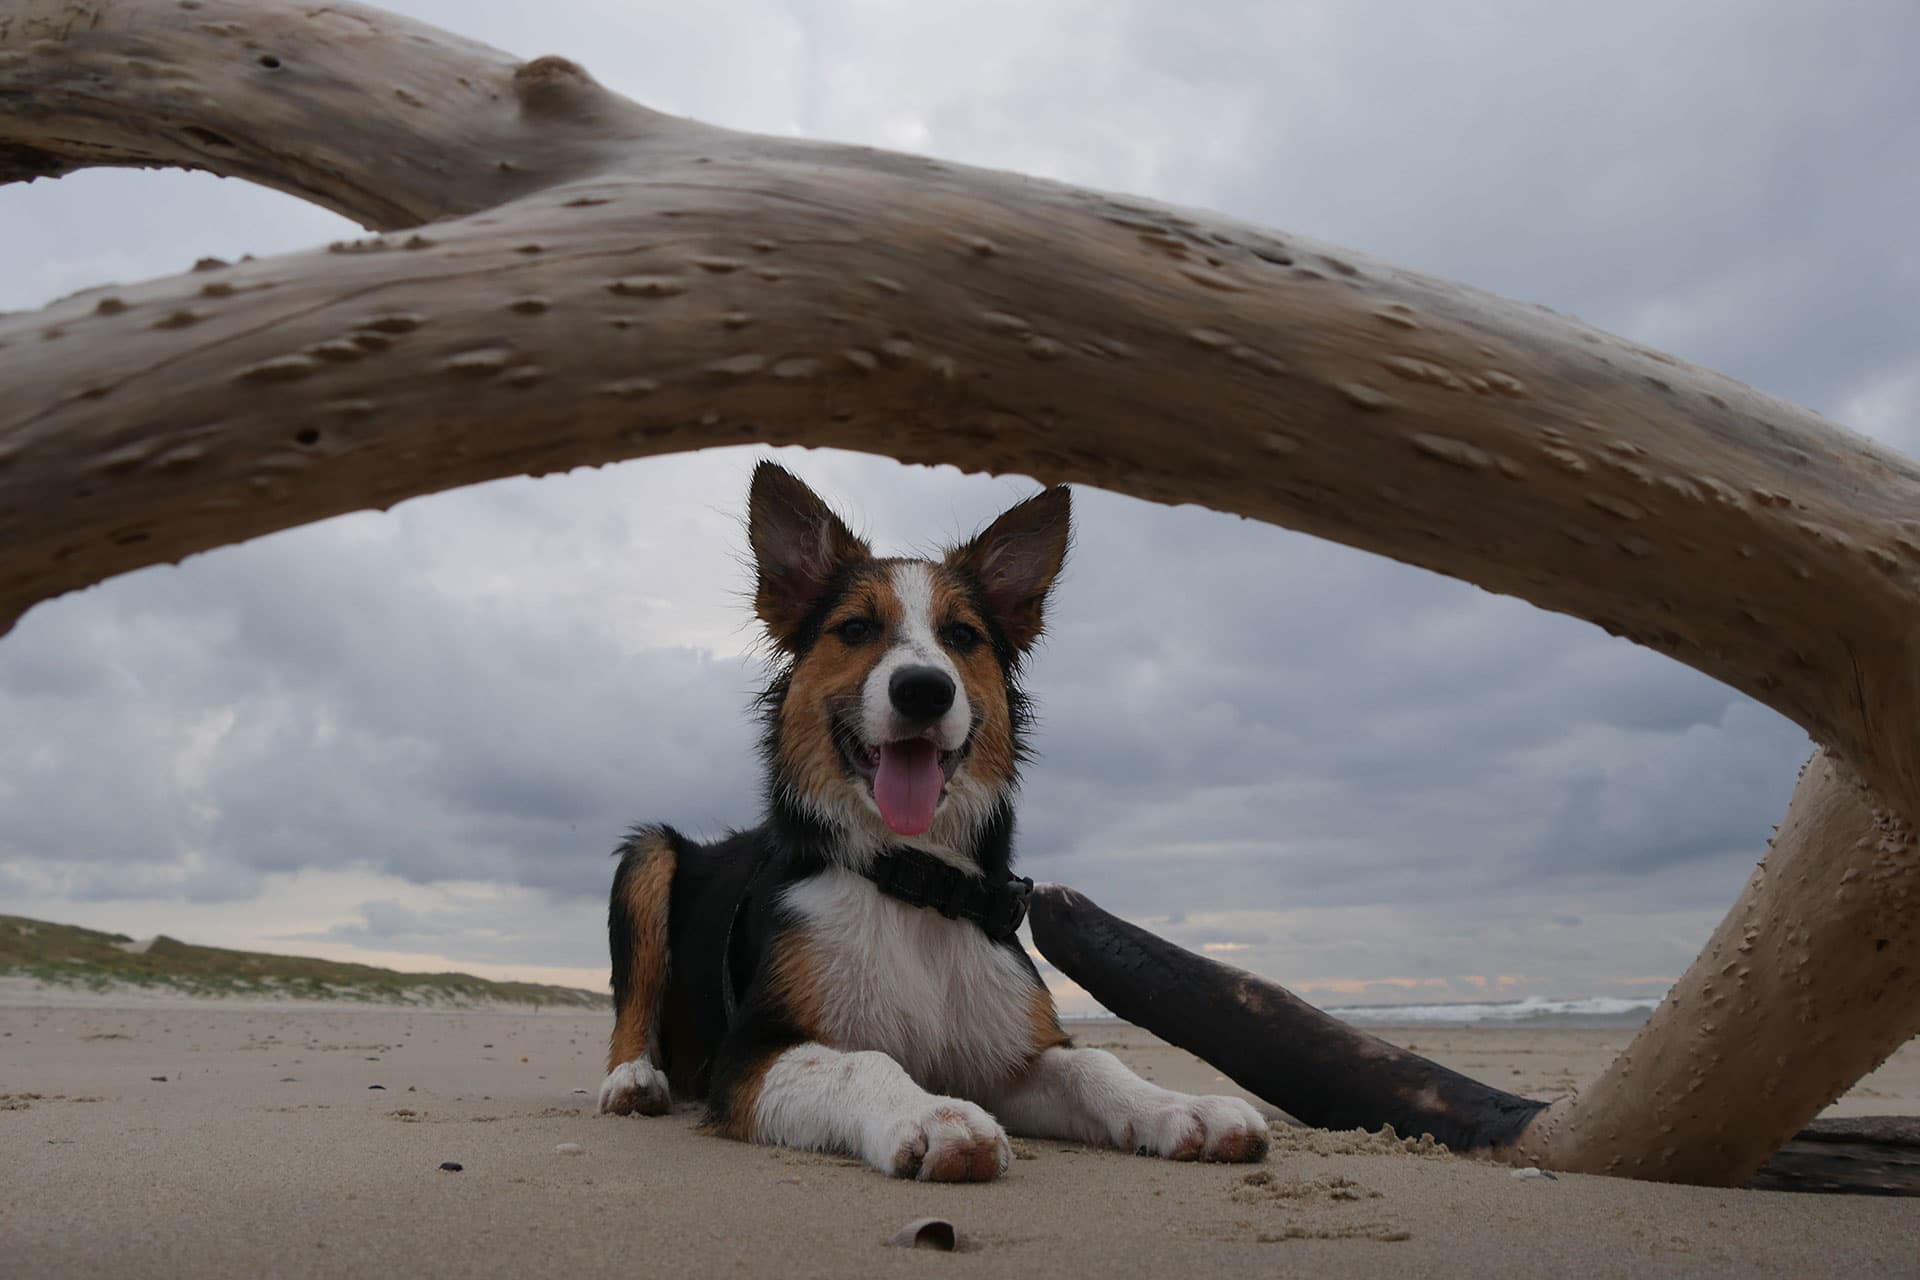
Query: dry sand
150	1138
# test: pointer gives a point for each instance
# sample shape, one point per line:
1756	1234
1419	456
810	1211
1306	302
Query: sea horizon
1531	1012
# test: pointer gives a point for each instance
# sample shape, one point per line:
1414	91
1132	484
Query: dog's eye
856	630
960	636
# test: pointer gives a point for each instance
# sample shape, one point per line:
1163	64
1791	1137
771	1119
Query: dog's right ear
799	545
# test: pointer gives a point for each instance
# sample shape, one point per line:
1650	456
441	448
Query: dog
846	976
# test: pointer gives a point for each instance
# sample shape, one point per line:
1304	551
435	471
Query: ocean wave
1531	1009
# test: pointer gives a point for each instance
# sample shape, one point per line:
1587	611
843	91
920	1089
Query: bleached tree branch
593	281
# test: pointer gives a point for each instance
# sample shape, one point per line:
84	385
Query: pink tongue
907	785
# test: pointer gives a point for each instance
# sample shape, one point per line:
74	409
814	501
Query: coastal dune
162	1137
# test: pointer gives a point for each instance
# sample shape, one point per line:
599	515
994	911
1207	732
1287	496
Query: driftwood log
591	280
1331	1075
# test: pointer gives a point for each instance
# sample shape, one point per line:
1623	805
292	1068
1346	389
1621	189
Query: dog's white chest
949	1005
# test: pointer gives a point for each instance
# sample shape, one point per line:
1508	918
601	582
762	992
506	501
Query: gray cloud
1342	765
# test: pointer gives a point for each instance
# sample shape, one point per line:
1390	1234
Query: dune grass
87	958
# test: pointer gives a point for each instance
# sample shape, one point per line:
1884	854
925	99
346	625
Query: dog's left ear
1015	560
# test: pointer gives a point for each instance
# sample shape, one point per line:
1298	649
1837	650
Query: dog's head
898	716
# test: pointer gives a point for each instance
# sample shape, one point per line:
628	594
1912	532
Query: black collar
922	880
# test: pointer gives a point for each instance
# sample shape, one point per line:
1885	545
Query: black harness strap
756	884
729	998
921	880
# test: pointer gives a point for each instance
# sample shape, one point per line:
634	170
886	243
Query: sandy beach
156	1138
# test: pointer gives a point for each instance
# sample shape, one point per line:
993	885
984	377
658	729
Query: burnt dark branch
1310	1064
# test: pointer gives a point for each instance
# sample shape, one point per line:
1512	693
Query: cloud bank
416	736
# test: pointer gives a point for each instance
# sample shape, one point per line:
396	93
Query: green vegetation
72	956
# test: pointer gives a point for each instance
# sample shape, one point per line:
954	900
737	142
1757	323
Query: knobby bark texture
1815	970
1743	1025
590	280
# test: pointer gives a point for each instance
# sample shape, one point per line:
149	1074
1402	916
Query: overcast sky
413	738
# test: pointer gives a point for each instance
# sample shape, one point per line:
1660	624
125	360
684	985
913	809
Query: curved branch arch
594	281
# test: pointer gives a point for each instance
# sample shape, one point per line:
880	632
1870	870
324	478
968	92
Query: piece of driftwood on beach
572	278
1329	1074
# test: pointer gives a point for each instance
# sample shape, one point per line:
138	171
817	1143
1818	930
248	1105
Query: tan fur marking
797	984
743	1100
645	902
990	757
827	681
1043	1025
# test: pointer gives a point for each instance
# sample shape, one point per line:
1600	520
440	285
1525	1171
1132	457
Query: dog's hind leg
637	936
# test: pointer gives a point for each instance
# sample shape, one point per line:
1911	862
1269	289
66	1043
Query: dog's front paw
1189	1128
949	1141
636	1086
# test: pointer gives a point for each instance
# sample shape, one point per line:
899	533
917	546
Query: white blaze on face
914	645
911	758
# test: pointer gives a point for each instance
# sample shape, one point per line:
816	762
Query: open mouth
906	776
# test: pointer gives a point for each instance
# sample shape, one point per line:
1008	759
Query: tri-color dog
846	975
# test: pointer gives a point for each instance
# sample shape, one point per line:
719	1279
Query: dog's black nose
921	694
